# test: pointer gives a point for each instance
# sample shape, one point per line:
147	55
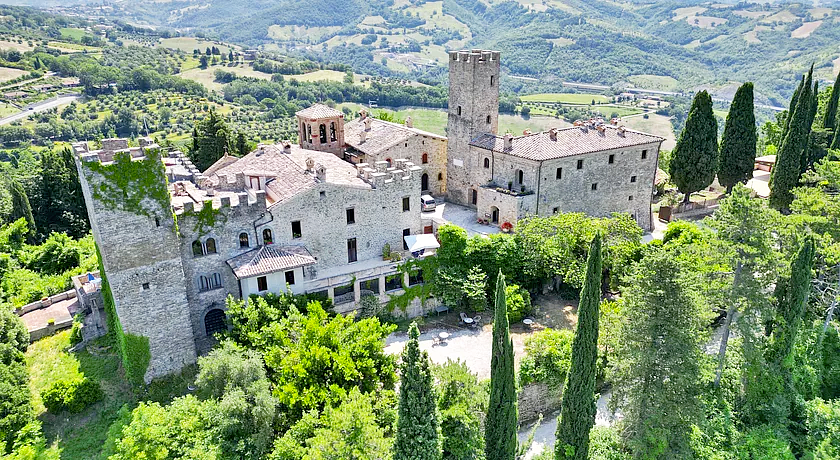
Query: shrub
72	396
76	333
548	356
518	303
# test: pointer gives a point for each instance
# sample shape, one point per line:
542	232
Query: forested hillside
655	45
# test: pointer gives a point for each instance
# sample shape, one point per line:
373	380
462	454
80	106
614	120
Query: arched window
492	80
389	162
215	321
243	240
459	110
322	133
267	239
216	280
486	162
198	251
425	158
302	131
309	133
488	119
210	246
203	283
424	182
332	131
440	176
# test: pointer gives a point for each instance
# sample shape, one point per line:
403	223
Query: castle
319	216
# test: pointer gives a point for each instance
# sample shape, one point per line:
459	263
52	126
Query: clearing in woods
566	98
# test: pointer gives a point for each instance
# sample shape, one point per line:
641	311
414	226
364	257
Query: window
351	216
580	164
216	280
393	282
611	159
630	198
644	154
197	250
388	160
406	204
594	186
559	174
322	134
309	133
157	222
632	179
296	230
267	238
492	79
351	250
146	286
488	119
210	246
486	163
290	277
203	283
440	176
262	284
520	176
406	232
459	110
425	158
369	287
415	277
555	210
323	194
215	321
332	131
243	240
475	196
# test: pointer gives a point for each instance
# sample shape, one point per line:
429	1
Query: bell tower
321	128
473	110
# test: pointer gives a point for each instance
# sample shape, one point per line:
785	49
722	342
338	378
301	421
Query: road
39	107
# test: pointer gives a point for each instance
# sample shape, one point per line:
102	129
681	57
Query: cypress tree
737	146
829	119
502	416
793	101
805	160
787	171
792	296
578	407
20	205
418	428
694	161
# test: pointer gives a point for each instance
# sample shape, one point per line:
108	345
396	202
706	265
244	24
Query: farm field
188	44
655	124
72	33
207	78
7	73
805	29
13	45
319	75
658	82
566	98
705	22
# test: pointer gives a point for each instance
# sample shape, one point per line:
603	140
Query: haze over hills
662	45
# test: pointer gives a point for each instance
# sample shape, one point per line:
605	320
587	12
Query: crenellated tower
473	110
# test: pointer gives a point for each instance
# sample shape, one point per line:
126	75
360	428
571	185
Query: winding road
39	107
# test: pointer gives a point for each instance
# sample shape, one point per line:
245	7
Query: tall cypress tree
794	100
20	205
805	160
787	171
502	420
418	428
578	407
791	297
694	161
737	147
830	116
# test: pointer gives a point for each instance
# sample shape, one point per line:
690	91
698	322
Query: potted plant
386	252
666	209
506	227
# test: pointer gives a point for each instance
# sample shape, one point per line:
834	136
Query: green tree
61	205
695	157
418	431
578	409
502	420
738	144
15	404
659	360
21	208
462	401
243	147
787	170
349	432
211	141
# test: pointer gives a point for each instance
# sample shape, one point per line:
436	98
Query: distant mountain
660	45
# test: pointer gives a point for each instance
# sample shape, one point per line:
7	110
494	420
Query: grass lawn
658	125
566	98
207	76
13	45
658	82
71	47
81	436
431	120
72	33
8	109
188	44
516	124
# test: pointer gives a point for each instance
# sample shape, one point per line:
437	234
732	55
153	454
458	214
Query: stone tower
473	110
132	222
321	128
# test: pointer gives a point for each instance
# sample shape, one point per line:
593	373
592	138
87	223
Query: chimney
408	122
362	136
287	147
321	173
526	132
508	141
622	130
552	134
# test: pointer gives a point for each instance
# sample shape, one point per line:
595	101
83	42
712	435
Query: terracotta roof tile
569	142
319	111
382	135
270	259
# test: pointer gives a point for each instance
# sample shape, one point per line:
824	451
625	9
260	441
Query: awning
419	242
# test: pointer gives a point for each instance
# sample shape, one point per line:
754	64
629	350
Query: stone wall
473	98
536	399
413	149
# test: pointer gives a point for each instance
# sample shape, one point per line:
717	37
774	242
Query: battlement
381	175
111	148
474	57
187	199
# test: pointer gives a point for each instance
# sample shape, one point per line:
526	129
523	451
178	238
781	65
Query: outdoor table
441	309
468	320
528	322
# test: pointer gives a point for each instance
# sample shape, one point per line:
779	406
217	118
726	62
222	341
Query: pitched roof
568	142
381	136
319	111
269	259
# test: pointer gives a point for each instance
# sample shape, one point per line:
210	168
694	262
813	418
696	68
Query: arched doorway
424	182
494	215
214	321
